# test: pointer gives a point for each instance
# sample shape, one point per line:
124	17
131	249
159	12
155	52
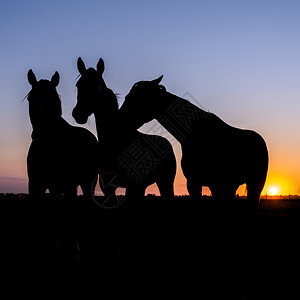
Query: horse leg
229	192
134	196
88	189
109	186
194	188
55	192
253	194
70	193
223	195
36	190
166	189
226	204
213	191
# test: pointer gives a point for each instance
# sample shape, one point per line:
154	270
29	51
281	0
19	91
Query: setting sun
273	190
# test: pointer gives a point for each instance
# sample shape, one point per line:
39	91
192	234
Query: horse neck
50	131
114	131
179	116
106	117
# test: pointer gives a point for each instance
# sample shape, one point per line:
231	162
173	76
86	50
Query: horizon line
263	197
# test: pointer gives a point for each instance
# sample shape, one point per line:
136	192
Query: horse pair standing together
62	156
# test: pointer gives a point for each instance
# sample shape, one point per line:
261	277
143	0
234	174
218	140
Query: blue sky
239	59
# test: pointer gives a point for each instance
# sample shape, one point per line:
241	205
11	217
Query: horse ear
80	66
55	79
31	77
157	80
100	66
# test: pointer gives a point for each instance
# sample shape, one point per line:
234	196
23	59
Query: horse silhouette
139	159
214	154
61	157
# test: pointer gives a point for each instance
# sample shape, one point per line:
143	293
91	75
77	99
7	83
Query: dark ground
178	239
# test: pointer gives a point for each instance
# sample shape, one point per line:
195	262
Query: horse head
44	101
88	86
144	101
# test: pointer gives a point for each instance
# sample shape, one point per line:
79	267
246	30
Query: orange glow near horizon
279	184
273	190
276	185
282	178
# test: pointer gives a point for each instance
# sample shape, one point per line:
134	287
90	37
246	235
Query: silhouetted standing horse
61	157
140	159
214	154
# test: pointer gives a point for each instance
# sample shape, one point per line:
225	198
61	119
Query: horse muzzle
79	117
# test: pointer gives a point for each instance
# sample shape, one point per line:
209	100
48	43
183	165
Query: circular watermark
111	192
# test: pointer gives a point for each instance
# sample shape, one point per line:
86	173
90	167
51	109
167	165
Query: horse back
219	150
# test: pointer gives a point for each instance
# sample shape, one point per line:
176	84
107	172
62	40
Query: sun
273	190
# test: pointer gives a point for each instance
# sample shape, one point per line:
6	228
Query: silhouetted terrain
205	235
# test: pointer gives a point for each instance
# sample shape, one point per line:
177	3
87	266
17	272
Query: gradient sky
238	59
